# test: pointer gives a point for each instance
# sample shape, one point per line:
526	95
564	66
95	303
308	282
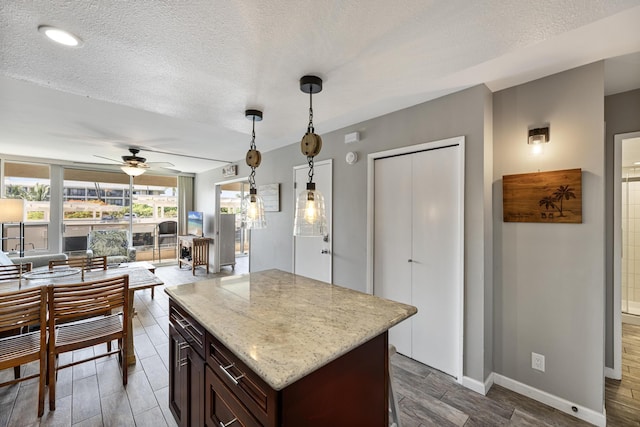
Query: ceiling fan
135	165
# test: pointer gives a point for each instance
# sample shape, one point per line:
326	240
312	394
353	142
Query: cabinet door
177	379
222	407
194	367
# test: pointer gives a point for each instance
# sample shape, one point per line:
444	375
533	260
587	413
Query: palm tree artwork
563	192
548	202
548	197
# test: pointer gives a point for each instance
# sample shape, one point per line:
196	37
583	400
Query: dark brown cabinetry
351	390
186	370
222	407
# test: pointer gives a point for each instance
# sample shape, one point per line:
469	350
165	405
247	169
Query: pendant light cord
310	160
310	129
252	175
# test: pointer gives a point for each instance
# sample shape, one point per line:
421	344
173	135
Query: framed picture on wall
553	197
270	194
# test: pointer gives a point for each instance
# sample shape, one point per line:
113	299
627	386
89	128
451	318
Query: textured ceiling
177	76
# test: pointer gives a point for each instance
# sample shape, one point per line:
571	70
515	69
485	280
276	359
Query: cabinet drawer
257	396
222	407
188	328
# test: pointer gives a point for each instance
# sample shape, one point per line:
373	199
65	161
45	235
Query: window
97	200
30	182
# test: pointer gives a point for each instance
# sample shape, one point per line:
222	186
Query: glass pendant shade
132	170
310	219
253	211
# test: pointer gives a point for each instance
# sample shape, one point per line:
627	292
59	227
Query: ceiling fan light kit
252	209
132	170
310	216
134	165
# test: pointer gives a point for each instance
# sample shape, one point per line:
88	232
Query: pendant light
311	218
252	205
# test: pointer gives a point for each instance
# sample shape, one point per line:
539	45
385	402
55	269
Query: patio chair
114	244
166	234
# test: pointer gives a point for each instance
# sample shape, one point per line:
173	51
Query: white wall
549	278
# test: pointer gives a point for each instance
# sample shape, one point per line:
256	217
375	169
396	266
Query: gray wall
463	113
622	115
549	278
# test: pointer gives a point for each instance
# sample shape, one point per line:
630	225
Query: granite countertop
285	326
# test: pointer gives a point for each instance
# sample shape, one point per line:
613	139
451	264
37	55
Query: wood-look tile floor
623	397
91	394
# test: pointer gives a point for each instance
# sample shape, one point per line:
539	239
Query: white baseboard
614	374
477	386
585	414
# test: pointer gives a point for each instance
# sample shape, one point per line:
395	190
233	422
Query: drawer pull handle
184	323
230	375
184	345
184	362
229	423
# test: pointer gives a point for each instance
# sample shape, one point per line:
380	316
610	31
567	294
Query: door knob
324	251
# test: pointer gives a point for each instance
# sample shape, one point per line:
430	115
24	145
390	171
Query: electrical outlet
537	361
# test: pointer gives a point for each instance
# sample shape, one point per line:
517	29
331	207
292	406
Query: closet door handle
409	260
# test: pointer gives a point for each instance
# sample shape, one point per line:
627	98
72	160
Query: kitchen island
272	348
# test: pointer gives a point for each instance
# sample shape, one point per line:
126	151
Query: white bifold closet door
417	251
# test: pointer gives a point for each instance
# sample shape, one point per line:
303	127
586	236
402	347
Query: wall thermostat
351	157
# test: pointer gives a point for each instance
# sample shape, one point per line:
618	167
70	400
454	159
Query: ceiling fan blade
183	155
171	170
161	164
106	158
109	165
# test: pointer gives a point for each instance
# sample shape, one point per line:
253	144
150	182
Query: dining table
139	278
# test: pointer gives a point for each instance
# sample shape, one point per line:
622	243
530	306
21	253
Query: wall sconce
537	137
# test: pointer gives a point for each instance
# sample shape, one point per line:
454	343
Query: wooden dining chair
77	320
14	271
86	263
19	310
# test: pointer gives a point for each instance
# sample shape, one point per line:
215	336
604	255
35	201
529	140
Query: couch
41	260
114	244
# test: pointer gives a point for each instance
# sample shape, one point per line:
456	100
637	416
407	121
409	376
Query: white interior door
392	230
436	258
312	255
418	259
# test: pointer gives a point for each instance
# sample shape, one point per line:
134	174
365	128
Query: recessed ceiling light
60	36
